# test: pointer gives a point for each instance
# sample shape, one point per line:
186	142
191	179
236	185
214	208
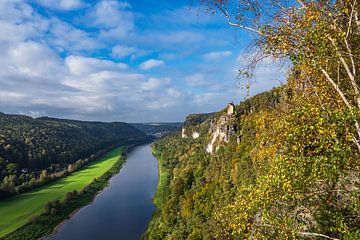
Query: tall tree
321	38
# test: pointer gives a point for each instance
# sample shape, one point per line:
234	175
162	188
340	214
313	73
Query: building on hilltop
231	109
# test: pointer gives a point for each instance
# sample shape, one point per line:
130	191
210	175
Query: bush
68	197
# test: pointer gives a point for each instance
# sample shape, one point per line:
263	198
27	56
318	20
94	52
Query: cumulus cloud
66	37
217	55
120	51
197	79
31	59
18	22
64	5
174	93
155	83
151	63
112	17
79	65
87	67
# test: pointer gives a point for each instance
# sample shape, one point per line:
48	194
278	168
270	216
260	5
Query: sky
132	61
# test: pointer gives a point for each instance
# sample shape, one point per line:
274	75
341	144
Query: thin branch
309	234
350	19
356	16
355	141
228	17
302	3
351	56
244	27
336	87
348	71
343	98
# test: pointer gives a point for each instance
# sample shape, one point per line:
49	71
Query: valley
179	120
18	210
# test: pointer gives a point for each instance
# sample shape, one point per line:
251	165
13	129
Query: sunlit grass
16	211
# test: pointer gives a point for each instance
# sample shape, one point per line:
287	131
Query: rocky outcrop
195	135
194	125
222	130
183	133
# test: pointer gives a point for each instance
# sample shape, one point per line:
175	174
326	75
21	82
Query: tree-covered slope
281	175
30	145
157	129
286	165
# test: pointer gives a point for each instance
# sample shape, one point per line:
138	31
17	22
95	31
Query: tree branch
356	17
308	234
302	3
343	98
347	68
228	17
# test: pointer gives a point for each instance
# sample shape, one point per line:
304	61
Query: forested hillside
157	129
36	150
285	164
275	183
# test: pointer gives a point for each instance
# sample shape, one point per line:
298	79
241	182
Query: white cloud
110	13
113	18
155	83
79	65
151	63
31	59
50	65
173	92
19	22
196	79
217	55
15	11
64	5
66	37
120	51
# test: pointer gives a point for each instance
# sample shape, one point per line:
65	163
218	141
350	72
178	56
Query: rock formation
222	129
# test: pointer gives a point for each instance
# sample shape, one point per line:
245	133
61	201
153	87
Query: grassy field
16	211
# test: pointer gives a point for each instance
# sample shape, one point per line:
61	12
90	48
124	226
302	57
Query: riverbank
162	189
44	221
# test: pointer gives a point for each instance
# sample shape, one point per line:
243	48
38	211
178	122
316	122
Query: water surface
122	210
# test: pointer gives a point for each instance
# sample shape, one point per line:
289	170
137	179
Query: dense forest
34	151
286	164
308	188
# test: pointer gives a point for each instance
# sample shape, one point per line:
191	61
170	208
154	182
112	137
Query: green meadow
16	211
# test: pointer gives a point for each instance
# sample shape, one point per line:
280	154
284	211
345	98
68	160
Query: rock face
193	125
183	134
222	130
195	135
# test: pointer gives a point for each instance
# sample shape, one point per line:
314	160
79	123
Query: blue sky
134	61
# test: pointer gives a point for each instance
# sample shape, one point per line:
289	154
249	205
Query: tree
43	176
68	197
12	168
70	168
321	37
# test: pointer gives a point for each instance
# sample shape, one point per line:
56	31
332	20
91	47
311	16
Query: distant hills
157	129
30	145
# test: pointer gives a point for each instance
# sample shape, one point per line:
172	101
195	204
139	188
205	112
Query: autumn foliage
295	174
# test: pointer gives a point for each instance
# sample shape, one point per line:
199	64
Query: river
123	209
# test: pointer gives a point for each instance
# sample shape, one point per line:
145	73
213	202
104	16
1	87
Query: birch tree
323	35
